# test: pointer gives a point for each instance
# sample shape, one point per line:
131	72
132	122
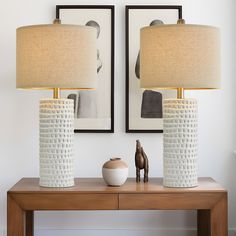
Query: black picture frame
145	9
87	8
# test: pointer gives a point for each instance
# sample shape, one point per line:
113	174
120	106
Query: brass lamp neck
56	93
180	93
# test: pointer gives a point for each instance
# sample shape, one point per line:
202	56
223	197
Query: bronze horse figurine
141	162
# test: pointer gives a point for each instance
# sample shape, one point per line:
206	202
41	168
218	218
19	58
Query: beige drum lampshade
180	56
56	56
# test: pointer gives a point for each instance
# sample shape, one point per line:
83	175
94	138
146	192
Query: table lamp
56	57
181	57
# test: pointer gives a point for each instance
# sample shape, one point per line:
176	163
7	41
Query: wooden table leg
203	223
15	218
29	223
219	218
214	222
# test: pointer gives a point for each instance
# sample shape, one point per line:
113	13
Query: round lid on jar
115	163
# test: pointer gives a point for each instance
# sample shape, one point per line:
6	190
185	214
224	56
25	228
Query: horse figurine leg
137	174
146	169
146	166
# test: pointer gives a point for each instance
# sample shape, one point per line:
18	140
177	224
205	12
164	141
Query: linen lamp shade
180	56
56	56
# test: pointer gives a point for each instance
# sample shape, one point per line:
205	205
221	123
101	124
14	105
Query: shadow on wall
230	176
232	233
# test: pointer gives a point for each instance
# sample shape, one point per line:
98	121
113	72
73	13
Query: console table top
26	196
97	185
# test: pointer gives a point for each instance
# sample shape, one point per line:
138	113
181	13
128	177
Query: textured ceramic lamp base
180	143
56	143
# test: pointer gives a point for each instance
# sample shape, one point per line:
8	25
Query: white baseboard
232	232
123	232
3	232
118	232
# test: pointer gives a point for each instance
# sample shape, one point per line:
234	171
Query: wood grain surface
208	198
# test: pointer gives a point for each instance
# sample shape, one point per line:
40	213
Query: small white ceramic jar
115	172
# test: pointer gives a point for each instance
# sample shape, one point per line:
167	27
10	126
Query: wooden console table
209	199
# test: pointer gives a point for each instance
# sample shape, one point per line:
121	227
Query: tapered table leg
29	223
15	218
214	222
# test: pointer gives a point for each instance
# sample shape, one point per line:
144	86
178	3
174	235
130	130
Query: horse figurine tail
138	159
146	165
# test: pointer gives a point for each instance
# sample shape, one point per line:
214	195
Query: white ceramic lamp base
56	143
180	143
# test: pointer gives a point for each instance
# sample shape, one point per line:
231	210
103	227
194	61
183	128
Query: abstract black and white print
93	109
144	107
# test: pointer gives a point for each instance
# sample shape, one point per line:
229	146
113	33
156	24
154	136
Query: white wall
19	120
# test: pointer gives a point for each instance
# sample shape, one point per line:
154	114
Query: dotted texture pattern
56	143
180	142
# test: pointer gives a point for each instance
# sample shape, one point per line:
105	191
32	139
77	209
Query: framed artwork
94	109
144	107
